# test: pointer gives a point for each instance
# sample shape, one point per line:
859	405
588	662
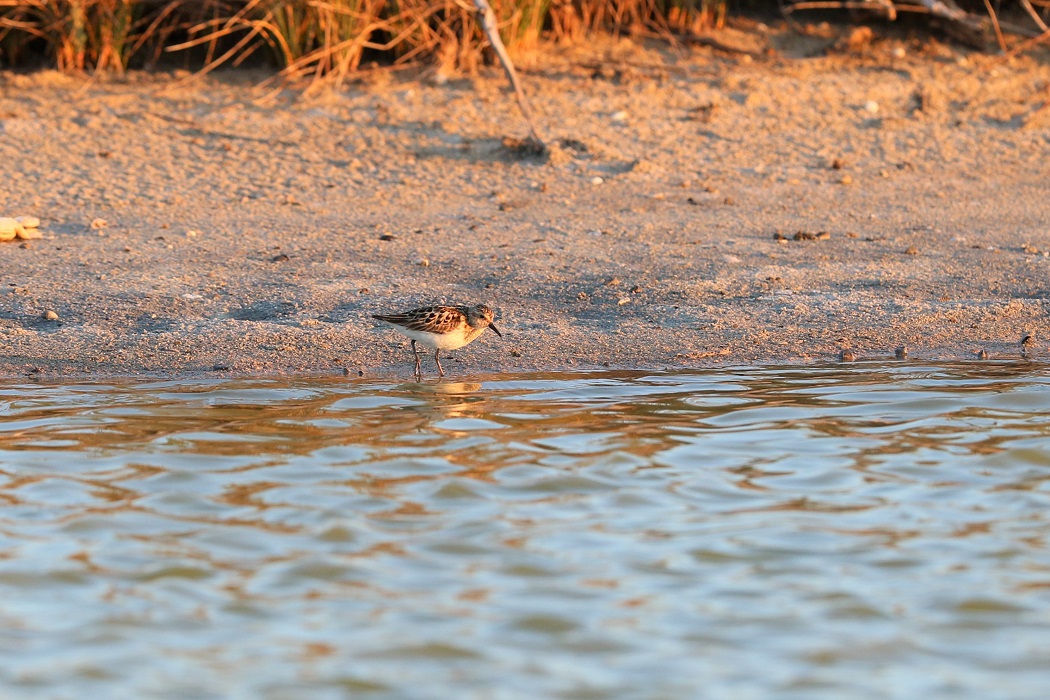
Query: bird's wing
431	319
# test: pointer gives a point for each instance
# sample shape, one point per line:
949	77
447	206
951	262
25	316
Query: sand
196	228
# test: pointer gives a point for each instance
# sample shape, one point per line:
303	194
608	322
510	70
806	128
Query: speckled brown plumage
441	327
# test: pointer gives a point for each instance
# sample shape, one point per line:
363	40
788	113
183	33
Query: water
847	532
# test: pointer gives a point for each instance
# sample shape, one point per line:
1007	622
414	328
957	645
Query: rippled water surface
869	531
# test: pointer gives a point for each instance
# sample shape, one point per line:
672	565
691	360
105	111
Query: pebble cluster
24	227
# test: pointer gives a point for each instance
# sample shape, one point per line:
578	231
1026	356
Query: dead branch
957	21
487	20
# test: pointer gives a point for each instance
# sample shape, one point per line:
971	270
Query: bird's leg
441	372
419	371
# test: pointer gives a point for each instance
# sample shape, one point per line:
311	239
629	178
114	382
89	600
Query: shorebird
441	328
1027	343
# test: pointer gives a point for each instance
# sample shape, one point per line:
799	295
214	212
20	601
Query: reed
75	33
310	38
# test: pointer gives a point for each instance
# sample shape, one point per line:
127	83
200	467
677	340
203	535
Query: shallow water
862	531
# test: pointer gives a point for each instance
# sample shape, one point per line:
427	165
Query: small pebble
596	180
898	52
424	262
911	250
99	224
623	300
846	180
50	315
871	106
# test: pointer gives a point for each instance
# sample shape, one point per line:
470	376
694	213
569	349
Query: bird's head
481	316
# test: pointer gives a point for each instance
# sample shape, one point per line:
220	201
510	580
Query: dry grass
327	39
309	38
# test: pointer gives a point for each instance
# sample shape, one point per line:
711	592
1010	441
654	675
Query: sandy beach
698	208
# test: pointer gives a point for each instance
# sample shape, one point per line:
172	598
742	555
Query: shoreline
188	228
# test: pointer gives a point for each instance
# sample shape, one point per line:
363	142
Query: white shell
28	221
9	228
28	234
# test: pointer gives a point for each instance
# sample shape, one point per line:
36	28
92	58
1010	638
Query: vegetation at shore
309	37
330	38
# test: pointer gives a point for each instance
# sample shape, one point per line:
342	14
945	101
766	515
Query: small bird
1027	343
441	328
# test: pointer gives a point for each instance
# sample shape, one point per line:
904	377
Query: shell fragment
24	227
9	228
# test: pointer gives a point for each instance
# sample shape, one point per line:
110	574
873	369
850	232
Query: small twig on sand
995	24
487	20
1027	5
1025	45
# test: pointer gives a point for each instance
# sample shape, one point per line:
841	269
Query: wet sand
193	229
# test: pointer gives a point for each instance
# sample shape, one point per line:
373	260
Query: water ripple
752	532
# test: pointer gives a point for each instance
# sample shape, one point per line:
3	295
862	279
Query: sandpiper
441	328
1027	343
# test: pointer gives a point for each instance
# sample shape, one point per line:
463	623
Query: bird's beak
493	327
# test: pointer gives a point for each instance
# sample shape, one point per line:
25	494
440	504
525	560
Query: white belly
445	341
